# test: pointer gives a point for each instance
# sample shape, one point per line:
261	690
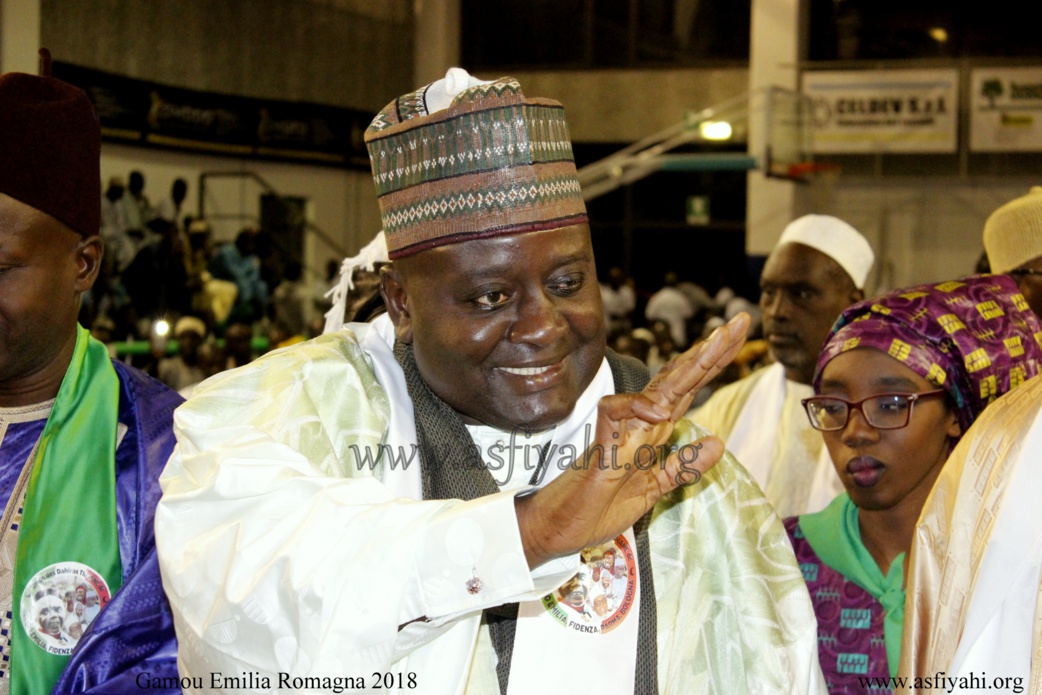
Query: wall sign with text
148	114
884	111
1006	109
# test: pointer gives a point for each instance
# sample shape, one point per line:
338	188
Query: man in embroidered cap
360	464
73	424
1013	242
818	268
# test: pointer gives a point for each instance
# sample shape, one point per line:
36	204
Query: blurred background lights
715	130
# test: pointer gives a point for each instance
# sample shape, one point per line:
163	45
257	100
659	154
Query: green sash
70	509
835	536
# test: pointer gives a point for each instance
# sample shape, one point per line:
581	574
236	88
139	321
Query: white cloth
762	421
280	553
543	646
617	303
975	569
118	245
540	645
511	457
670	305
170	211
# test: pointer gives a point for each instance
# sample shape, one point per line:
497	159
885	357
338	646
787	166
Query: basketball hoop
812	171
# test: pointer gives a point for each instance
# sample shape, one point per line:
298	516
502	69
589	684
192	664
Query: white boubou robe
762	421
285	554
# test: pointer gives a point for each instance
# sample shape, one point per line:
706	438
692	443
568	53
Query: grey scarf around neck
452	468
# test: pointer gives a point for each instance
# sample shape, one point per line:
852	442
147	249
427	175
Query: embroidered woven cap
837	240
977	338
1013	233
465	159
50	146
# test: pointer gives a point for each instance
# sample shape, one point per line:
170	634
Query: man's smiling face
508	331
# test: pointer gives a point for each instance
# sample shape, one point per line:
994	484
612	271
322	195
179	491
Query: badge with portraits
591	619
600	596
59	603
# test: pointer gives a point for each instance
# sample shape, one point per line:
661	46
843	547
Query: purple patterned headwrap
977	338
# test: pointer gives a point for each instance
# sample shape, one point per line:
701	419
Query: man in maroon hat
74	425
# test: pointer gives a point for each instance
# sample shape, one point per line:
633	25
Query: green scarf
835	536
70	505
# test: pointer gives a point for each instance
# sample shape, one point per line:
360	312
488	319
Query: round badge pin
600	596
59	603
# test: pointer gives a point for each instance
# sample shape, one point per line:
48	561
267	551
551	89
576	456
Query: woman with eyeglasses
900	378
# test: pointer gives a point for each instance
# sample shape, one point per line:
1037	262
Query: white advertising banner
884	111
1006	110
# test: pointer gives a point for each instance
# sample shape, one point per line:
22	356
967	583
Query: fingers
690	462
623	416
676	384
629	405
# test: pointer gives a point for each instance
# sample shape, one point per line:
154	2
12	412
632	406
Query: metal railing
309	227
649	155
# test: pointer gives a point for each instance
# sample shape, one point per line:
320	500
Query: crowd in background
658	326
868	402
219	305
202	306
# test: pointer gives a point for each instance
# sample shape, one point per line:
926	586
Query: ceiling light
715	130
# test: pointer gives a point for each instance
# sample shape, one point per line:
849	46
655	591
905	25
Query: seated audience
184	369
669	304
618	300
238	345
290	303
898	382
211	361
238	263
172	208
135	202
156	279
663	349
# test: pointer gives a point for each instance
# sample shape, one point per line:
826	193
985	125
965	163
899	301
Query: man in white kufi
818	267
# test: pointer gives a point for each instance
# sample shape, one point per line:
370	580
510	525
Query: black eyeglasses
887	411
1023	272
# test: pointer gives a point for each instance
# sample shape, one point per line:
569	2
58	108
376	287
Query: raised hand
625	472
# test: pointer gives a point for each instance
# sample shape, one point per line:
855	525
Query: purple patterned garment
977	338
18	443
851	648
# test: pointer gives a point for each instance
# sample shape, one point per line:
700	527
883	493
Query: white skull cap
837	240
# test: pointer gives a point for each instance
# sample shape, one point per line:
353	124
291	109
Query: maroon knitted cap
50	149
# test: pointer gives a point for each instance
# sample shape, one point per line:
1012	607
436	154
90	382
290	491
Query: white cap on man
190	323
837	240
